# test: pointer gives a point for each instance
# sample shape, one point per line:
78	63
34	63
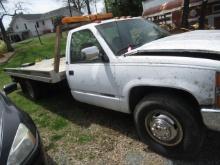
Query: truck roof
106	21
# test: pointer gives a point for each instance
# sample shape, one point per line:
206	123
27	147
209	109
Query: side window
81	40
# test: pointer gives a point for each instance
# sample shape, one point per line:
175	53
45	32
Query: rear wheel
169	126
30	88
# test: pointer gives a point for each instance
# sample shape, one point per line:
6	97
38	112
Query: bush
3	47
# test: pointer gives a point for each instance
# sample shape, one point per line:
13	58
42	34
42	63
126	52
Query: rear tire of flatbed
31	89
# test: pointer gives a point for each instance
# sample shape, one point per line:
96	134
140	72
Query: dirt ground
104	137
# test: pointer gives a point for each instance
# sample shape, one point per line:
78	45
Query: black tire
31	89
188	128
22	85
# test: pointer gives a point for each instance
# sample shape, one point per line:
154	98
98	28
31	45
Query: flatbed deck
41	71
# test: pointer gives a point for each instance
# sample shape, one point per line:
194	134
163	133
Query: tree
185	14
79	4
106	6
124	7
88	6
4	13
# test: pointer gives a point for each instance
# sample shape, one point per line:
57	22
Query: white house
24	26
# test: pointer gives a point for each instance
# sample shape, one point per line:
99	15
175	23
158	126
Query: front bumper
211	118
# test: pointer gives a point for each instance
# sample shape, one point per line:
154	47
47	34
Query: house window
43	23
37	24
216	8
17	27
25	26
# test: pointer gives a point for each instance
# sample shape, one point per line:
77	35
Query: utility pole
185	15
88	6
202	15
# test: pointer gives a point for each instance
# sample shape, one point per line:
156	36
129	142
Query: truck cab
168	83
93	52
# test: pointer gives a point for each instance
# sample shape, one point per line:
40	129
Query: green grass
60	122
30	51
83	139
55	138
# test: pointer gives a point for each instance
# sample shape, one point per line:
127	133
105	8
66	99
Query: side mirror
90	53
10	88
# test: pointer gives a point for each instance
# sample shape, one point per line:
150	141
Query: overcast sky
42	6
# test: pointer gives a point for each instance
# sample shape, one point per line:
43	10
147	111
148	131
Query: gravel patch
103	137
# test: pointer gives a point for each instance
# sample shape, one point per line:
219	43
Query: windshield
125	35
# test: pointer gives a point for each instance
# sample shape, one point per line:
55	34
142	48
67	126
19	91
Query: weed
55	138
58	123
85	138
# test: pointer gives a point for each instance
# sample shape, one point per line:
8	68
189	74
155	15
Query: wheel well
138	93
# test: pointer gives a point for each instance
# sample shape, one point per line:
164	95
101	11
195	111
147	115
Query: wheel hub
164	128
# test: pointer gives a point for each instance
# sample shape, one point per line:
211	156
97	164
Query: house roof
36	17
59	12
30	16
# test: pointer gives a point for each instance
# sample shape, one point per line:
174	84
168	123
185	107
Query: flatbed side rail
42	76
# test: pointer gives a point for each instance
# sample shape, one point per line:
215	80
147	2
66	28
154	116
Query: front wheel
169	126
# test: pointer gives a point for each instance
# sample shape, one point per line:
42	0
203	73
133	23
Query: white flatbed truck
169	83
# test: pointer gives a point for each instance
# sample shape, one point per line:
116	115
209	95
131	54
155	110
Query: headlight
23	144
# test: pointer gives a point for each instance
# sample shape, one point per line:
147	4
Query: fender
202	89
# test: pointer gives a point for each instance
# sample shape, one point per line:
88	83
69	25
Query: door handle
71	72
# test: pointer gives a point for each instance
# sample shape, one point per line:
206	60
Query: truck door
91	79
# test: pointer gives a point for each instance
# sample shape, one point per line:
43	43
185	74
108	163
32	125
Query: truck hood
195	41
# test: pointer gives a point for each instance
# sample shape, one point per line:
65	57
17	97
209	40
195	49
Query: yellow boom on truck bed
86	18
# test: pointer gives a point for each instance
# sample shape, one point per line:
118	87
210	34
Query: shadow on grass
62	103
49	160
85	115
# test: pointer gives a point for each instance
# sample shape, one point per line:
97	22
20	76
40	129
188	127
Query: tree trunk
88	6
202	15
5	37
185	15
70	8
106	6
